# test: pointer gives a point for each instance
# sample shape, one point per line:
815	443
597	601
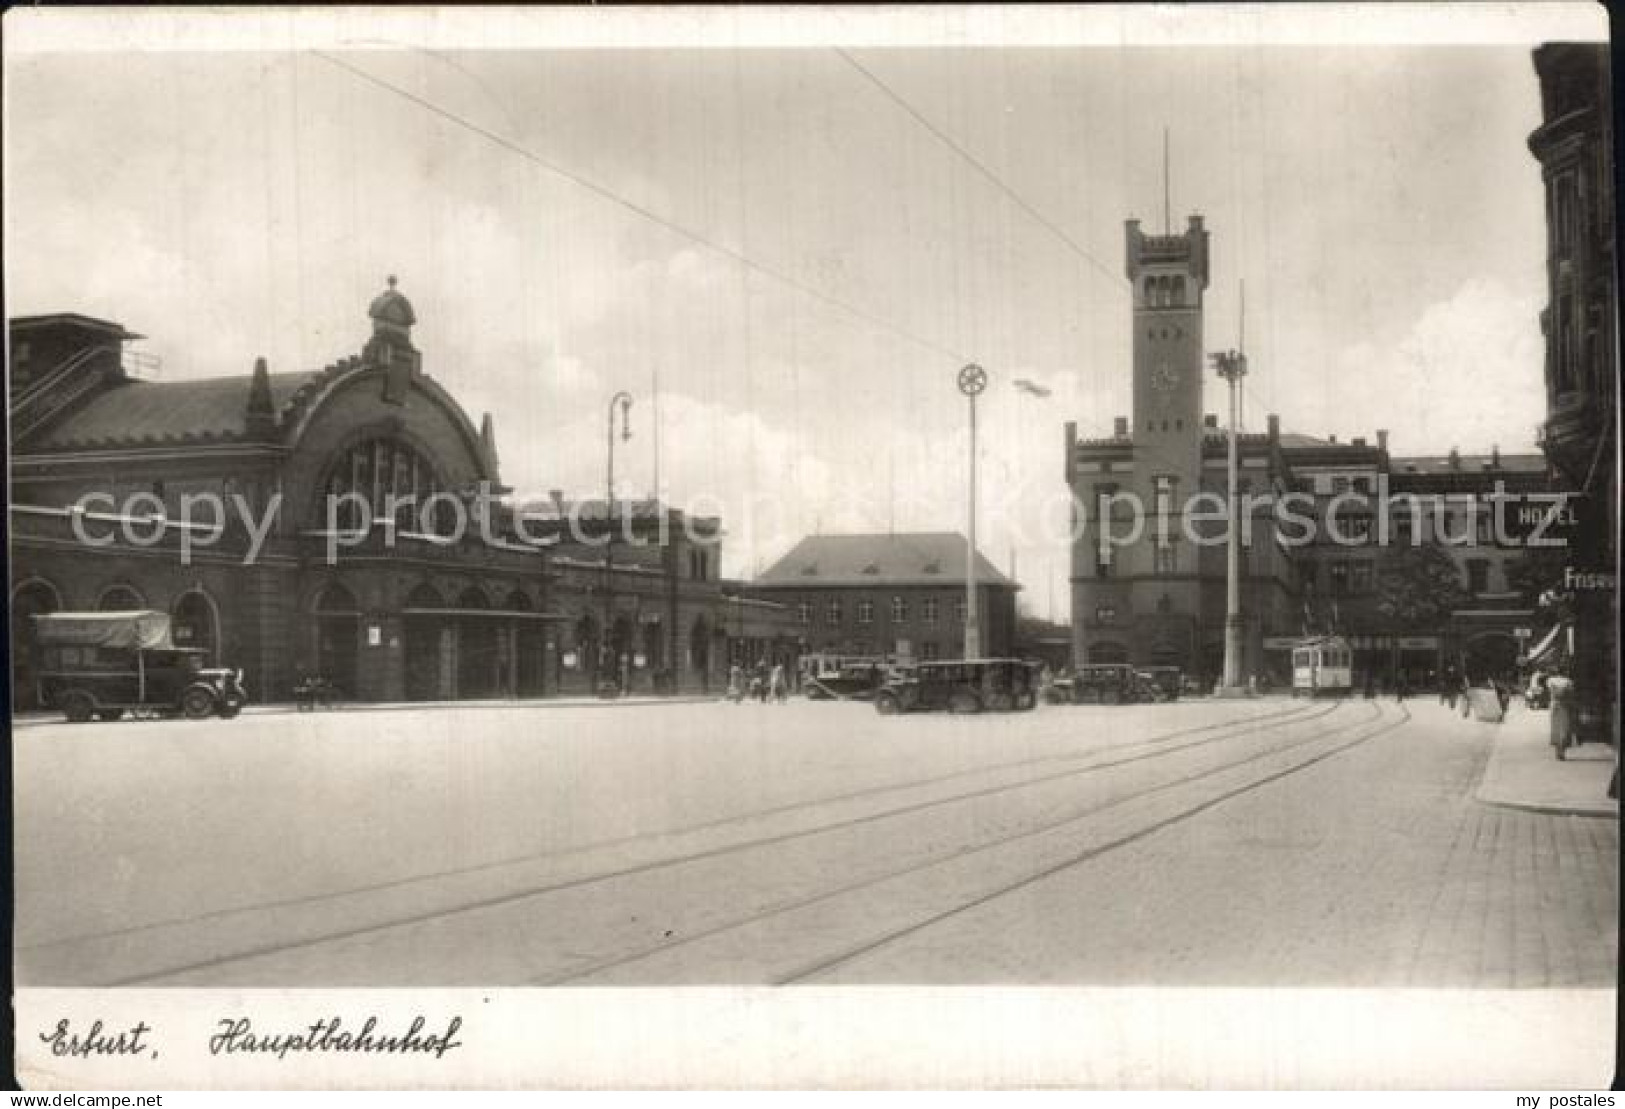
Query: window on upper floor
928	610
899	610
1478	575
866	612
959	610
804	612
1339	575
1167	561
832	612
371	477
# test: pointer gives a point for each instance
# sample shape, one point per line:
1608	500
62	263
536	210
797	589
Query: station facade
421	585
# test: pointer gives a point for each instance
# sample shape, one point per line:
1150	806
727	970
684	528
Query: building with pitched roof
365	534
889	594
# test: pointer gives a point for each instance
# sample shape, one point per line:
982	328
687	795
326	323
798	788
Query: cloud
1468	373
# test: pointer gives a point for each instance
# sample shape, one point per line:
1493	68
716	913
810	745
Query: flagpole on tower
1167	219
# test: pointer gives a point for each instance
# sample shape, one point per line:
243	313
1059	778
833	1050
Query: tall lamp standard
606	653
1232	366
972	380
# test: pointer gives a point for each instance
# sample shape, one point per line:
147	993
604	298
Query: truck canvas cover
144	630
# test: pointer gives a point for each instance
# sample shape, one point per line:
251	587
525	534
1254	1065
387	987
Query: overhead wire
608	194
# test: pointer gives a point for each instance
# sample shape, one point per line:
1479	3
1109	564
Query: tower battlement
1185	253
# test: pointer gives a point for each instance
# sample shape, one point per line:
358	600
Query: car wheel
229	709
886	705
78	707
197	703
109	714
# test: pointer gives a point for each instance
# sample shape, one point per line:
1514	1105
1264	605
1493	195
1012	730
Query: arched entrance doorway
653	648
620	651
338	638
479	648
120	598
428	646
699	652
30	599
584	646
194	623
530	648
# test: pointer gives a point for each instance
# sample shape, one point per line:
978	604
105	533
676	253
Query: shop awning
1547	647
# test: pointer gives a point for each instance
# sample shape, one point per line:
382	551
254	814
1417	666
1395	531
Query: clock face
1165	379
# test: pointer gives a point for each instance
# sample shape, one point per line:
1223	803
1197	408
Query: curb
288	708
1548	810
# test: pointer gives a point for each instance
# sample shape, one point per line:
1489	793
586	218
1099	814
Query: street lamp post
972	380
1232	366
606	652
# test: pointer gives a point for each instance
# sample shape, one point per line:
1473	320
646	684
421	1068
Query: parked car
1166	681
103	664
974	685
1109	684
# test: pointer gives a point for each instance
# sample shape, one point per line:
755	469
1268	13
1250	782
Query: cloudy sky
572	222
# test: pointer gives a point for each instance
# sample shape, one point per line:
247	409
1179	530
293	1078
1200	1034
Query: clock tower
1169	274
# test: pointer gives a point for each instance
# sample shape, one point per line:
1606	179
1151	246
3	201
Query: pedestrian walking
1399	688
778	684
736	684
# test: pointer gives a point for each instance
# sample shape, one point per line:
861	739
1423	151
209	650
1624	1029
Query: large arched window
391	477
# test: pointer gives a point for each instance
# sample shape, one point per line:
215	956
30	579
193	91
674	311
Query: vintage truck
102	665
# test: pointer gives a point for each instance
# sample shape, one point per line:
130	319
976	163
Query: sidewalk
1524	773
33	719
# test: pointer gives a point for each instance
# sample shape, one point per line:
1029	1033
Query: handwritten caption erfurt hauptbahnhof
239	1036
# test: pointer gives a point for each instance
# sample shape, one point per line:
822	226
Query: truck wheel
78	707
197	703
229	709
886	704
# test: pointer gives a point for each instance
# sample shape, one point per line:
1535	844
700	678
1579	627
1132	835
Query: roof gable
922	558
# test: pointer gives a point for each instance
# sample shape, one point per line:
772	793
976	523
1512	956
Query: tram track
1150	747
579	975
512	899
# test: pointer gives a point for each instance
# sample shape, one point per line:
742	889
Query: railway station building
444	592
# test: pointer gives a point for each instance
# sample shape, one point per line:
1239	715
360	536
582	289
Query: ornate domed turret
392	312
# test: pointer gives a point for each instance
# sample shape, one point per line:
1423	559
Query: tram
1322	666
829	677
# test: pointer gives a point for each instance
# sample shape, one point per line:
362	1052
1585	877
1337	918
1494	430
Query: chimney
1274	427
1382	438
1455	459
1210	421
1358	441
1120	427
1495	456
1331	438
